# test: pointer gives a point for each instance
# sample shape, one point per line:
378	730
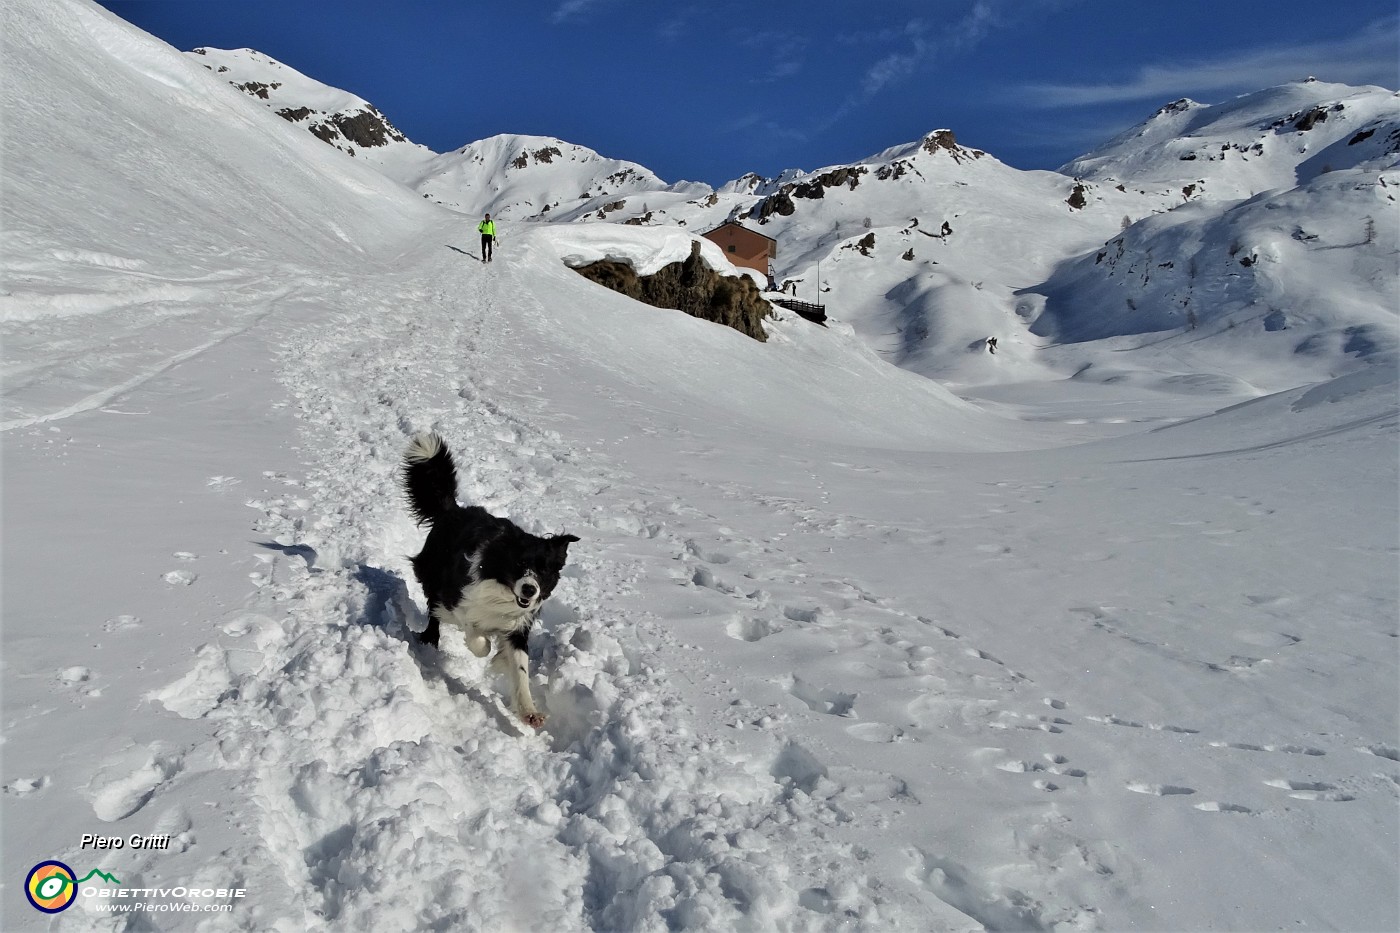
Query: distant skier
487	229
992	345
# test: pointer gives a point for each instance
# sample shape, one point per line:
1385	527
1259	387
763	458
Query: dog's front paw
533	719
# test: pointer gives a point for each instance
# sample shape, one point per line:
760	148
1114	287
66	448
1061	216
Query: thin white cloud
984	16
897	66
676	27
763	127
784	69
922	39
572	8
1369	57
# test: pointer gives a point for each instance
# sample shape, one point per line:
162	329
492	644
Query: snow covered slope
345	121
141	261
1294	284
837	651
1274	138
538	177
1298	285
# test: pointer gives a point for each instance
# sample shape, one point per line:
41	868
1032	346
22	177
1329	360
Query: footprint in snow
1381	751
127	784
1133	724
946	633
1310	790
877	732
23	787
1007	719
820	699
706	554
1054	765
180	577
702	577
1285	749
1215	806
1159	790
798	767
72	676
748	628
121	624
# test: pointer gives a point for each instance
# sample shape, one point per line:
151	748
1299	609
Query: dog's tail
429	478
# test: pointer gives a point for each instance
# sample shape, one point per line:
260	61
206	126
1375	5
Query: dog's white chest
487	608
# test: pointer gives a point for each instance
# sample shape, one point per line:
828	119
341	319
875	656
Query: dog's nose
528	590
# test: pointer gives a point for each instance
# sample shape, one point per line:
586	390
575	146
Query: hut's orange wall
749	249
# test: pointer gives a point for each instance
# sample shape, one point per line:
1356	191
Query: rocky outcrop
780	201
367	129
864	245
690	286
258	89
608	208
545	155
944	141
1304	120
849	176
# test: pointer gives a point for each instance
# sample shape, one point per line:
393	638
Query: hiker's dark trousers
486	240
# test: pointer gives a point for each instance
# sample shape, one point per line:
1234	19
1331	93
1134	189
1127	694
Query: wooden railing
812	312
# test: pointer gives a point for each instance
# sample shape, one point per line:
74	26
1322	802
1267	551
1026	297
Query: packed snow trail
400	794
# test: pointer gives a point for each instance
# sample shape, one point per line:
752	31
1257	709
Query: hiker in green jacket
487	229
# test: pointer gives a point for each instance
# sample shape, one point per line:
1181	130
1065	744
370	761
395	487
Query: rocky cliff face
690	286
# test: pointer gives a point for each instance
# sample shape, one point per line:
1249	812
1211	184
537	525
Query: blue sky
710	90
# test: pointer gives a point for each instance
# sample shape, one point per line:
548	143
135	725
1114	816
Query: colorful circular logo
51	887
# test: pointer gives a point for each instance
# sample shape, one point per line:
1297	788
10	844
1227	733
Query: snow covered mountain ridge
1274	138
512	176
928	247
339	118
1157	153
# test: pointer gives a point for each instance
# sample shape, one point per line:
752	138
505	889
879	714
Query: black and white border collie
479	572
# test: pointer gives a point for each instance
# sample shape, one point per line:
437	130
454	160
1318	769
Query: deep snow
839	649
